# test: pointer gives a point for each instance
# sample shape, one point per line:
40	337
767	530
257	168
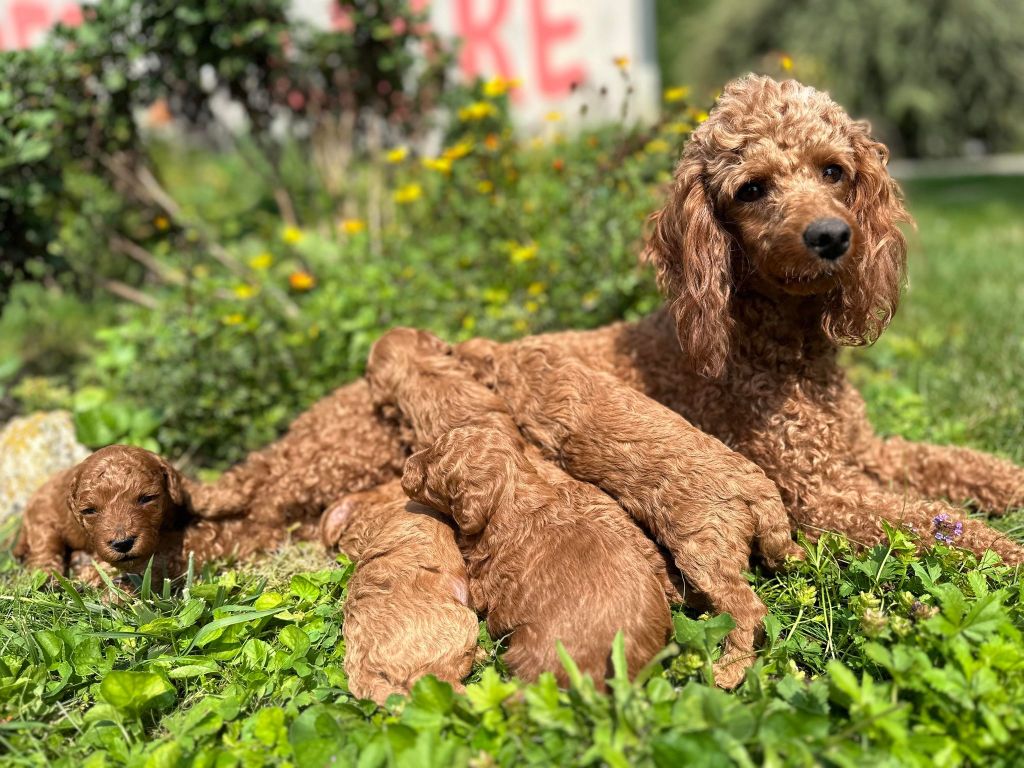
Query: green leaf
136	692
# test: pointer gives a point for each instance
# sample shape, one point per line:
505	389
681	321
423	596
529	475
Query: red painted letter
28	19
479	35
546	32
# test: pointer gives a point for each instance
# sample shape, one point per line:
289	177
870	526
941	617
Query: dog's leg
995	485
858	508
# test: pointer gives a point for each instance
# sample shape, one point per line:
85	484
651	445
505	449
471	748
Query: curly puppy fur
406	614
123	505
336	447
704	503
549	558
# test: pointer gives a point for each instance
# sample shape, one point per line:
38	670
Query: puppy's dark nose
124	546
829	238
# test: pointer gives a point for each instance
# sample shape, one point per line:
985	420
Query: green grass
882	658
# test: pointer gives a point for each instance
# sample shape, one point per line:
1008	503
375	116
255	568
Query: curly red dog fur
707	505
528	531
407	611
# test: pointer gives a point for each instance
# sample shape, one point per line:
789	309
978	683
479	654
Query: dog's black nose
829	238
124	546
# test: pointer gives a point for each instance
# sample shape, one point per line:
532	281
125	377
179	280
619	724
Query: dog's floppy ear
692	253
172	482
871	284
71	497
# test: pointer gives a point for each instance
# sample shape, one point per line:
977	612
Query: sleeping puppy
122	506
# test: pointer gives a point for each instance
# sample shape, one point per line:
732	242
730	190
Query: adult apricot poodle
778	245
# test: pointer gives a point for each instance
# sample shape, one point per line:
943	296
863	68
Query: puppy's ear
71	497
871	284
692	254
173	482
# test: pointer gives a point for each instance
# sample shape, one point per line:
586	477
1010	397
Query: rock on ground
31	449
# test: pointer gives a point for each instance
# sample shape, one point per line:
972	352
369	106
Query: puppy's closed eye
88	511
148	498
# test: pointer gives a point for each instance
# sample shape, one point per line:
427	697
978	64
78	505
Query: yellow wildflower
700	117
679	93
553	117
292	235
408	193
235	318
244	291
162	223
458	151
492	141
478	110
520	326
495	295
397	155
678	128
468	323
657	146
301	281
439	164
523	253
531	307
786	62
499	86
622	62
536	289
352	226
485	187
261	261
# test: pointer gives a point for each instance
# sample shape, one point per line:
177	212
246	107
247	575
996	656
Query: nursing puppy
549	558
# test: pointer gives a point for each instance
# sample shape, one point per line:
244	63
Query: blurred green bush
932	74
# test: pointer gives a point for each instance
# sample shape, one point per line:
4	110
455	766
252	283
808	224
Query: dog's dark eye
751	191
832	173
88	511
147	498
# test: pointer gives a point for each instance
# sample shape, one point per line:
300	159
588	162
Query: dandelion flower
439	164
520	326
352	226
245	291
700	117
162	223
523	253
478	110
536	289
531	307
235	318
622	62
409	193
458	151
679	93
261	261
468	323
485	187
553	117
301	281
397	155
786	62
499	86
657	146
292	235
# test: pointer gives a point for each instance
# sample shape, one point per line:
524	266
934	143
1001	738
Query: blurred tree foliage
78	194
932	74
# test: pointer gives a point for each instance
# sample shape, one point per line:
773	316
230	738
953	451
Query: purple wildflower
947	531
